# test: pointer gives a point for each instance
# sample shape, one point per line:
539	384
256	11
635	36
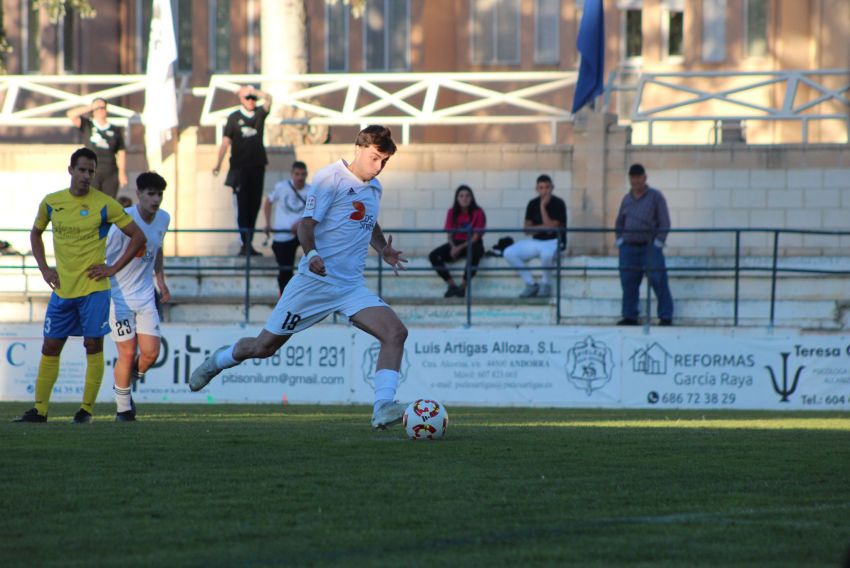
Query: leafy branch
56	9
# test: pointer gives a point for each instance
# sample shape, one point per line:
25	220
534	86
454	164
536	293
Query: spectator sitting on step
545	211
463	215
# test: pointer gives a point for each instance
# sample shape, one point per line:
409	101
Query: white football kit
288	207
346	210
132	308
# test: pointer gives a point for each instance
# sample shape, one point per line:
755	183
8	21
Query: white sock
224	359
386	383
122	398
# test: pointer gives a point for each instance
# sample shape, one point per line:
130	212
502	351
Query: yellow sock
94	375
48	372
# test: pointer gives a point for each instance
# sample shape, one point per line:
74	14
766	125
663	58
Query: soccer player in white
133	317
339	223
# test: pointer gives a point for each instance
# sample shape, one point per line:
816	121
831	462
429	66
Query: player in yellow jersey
79	305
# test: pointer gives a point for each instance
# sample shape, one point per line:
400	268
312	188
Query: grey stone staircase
213	289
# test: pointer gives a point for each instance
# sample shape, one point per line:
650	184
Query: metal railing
448	99
404	99
678	94
736	268
35	100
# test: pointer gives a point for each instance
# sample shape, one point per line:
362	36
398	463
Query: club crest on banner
370	360
590	364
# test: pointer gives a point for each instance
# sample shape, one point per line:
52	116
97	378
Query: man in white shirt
340	221
288	199
133	317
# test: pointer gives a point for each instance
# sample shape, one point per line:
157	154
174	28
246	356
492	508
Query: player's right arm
307	237
42	218
320	198
47	272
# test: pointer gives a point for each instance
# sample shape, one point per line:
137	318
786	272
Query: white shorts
125	321
306	301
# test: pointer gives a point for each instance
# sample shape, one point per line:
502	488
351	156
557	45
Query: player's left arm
384	247
137	242
159	272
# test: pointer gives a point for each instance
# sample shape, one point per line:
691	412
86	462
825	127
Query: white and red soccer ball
425	419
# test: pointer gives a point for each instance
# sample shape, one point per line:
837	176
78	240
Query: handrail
64	93
409	99
679	96
774	268
404	99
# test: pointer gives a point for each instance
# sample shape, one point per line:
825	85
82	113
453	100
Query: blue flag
591	46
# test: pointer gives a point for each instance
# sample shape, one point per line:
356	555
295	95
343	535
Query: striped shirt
641	220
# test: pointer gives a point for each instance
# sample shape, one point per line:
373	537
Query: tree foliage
56	9
357	6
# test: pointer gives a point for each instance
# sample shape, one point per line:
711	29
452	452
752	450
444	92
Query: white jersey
346	209
134	283
288	206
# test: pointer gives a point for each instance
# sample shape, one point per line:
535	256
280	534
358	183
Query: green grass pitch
267	485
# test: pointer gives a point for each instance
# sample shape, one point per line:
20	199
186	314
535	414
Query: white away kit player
133	317
338	225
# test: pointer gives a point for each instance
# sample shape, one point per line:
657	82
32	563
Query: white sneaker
529	291
544	291
205	372
389	414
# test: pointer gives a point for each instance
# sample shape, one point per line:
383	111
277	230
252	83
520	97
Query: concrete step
212	289
494	285
820	315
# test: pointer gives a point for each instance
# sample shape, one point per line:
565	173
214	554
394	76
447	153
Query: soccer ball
425	420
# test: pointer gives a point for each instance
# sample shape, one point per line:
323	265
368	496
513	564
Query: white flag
160	114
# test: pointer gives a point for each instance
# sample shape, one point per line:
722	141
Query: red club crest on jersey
359	211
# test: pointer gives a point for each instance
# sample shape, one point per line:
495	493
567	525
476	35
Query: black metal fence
377	266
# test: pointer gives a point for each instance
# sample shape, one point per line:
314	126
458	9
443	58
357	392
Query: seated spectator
546	211
464	214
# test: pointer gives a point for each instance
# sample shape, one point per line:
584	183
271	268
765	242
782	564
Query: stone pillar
599	156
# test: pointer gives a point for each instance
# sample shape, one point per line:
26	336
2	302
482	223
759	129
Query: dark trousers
441	255
284	254
635	261
249	197
106	180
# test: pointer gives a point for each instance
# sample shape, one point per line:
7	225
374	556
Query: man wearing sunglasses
243	134
104	139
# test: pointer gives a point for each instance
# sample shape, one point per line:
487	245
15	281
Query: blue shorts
87	316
